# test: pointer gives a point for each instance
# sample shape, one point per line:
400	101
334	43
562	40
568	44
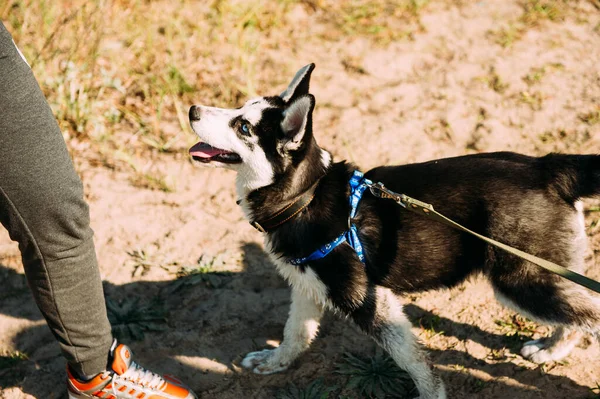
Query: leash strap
425	209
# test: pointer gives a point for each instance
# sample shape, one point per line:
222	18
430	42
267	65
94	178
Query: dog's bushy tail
573	176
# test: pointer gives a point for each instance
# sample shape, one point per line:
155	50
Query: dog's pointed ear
299	85
297	121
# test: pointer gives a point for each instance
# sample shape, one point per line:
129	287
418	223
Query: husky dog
526	202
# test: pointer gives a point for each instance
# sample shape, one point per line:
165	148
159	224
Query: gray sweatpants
42	206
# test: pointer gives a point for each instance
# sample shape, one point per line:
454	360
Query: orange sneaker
127	379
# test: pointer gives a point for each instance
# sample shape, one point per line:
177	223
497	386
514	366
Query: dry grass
536	74
534	14
121	105
113	96
591	117
383	20
120	75
494	81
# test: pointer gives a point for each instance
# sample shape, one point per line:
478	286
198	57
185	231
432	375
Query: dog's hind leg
383	318
572	310
300	330
543	296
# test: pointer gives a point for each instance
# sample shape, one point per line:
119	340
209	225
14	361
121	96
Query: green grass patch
377	377
534	99
536	74
517	330
535	12
494	81
204	272
518	324
131	319
384	21
592	117
431	325
151	181
315	390
11	359
143	261
508	35
596	390
10	372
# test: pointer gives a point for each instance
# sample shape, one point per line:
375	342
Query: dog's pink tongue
204	150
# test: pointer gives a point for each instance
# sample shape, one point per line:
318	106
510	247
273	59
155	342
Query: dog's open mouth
203	152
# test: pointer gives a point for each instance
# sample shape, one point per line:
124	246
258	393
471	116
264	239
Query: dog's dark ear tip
309	68
299	84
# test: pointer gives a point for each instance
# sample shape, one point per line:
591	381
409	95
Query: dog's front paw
267	361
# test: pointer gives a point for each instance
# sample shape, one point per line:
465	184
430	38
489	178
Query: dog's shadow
488	377
209	328
533	381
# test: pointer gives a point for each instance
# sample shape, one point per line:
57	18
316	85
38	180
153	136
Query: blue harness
358	185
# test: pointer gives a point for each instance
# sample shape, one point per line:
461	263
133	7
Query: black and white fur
530	203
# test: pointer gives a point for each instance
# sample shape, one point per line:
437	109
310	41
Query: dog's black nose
194	113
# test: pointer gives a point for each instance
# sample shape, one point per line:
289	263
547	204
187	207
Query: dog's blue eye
245	128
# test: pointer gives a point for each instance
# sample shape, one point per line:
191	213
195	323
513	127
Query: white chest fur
304	281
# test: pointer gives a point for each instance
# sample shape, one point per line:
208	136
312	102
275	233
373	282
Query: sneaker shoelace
137	374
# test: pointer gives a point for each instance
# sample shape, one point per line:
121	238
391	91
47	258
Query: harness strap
358	185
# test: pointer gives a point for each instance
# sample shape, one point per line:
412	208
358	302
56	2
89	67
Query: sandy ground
449	90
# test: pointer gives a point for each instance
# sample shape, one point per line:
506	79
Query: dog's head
262	139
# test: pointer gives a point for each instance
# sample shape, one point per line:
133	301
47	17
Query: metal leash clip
379	191
414	205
